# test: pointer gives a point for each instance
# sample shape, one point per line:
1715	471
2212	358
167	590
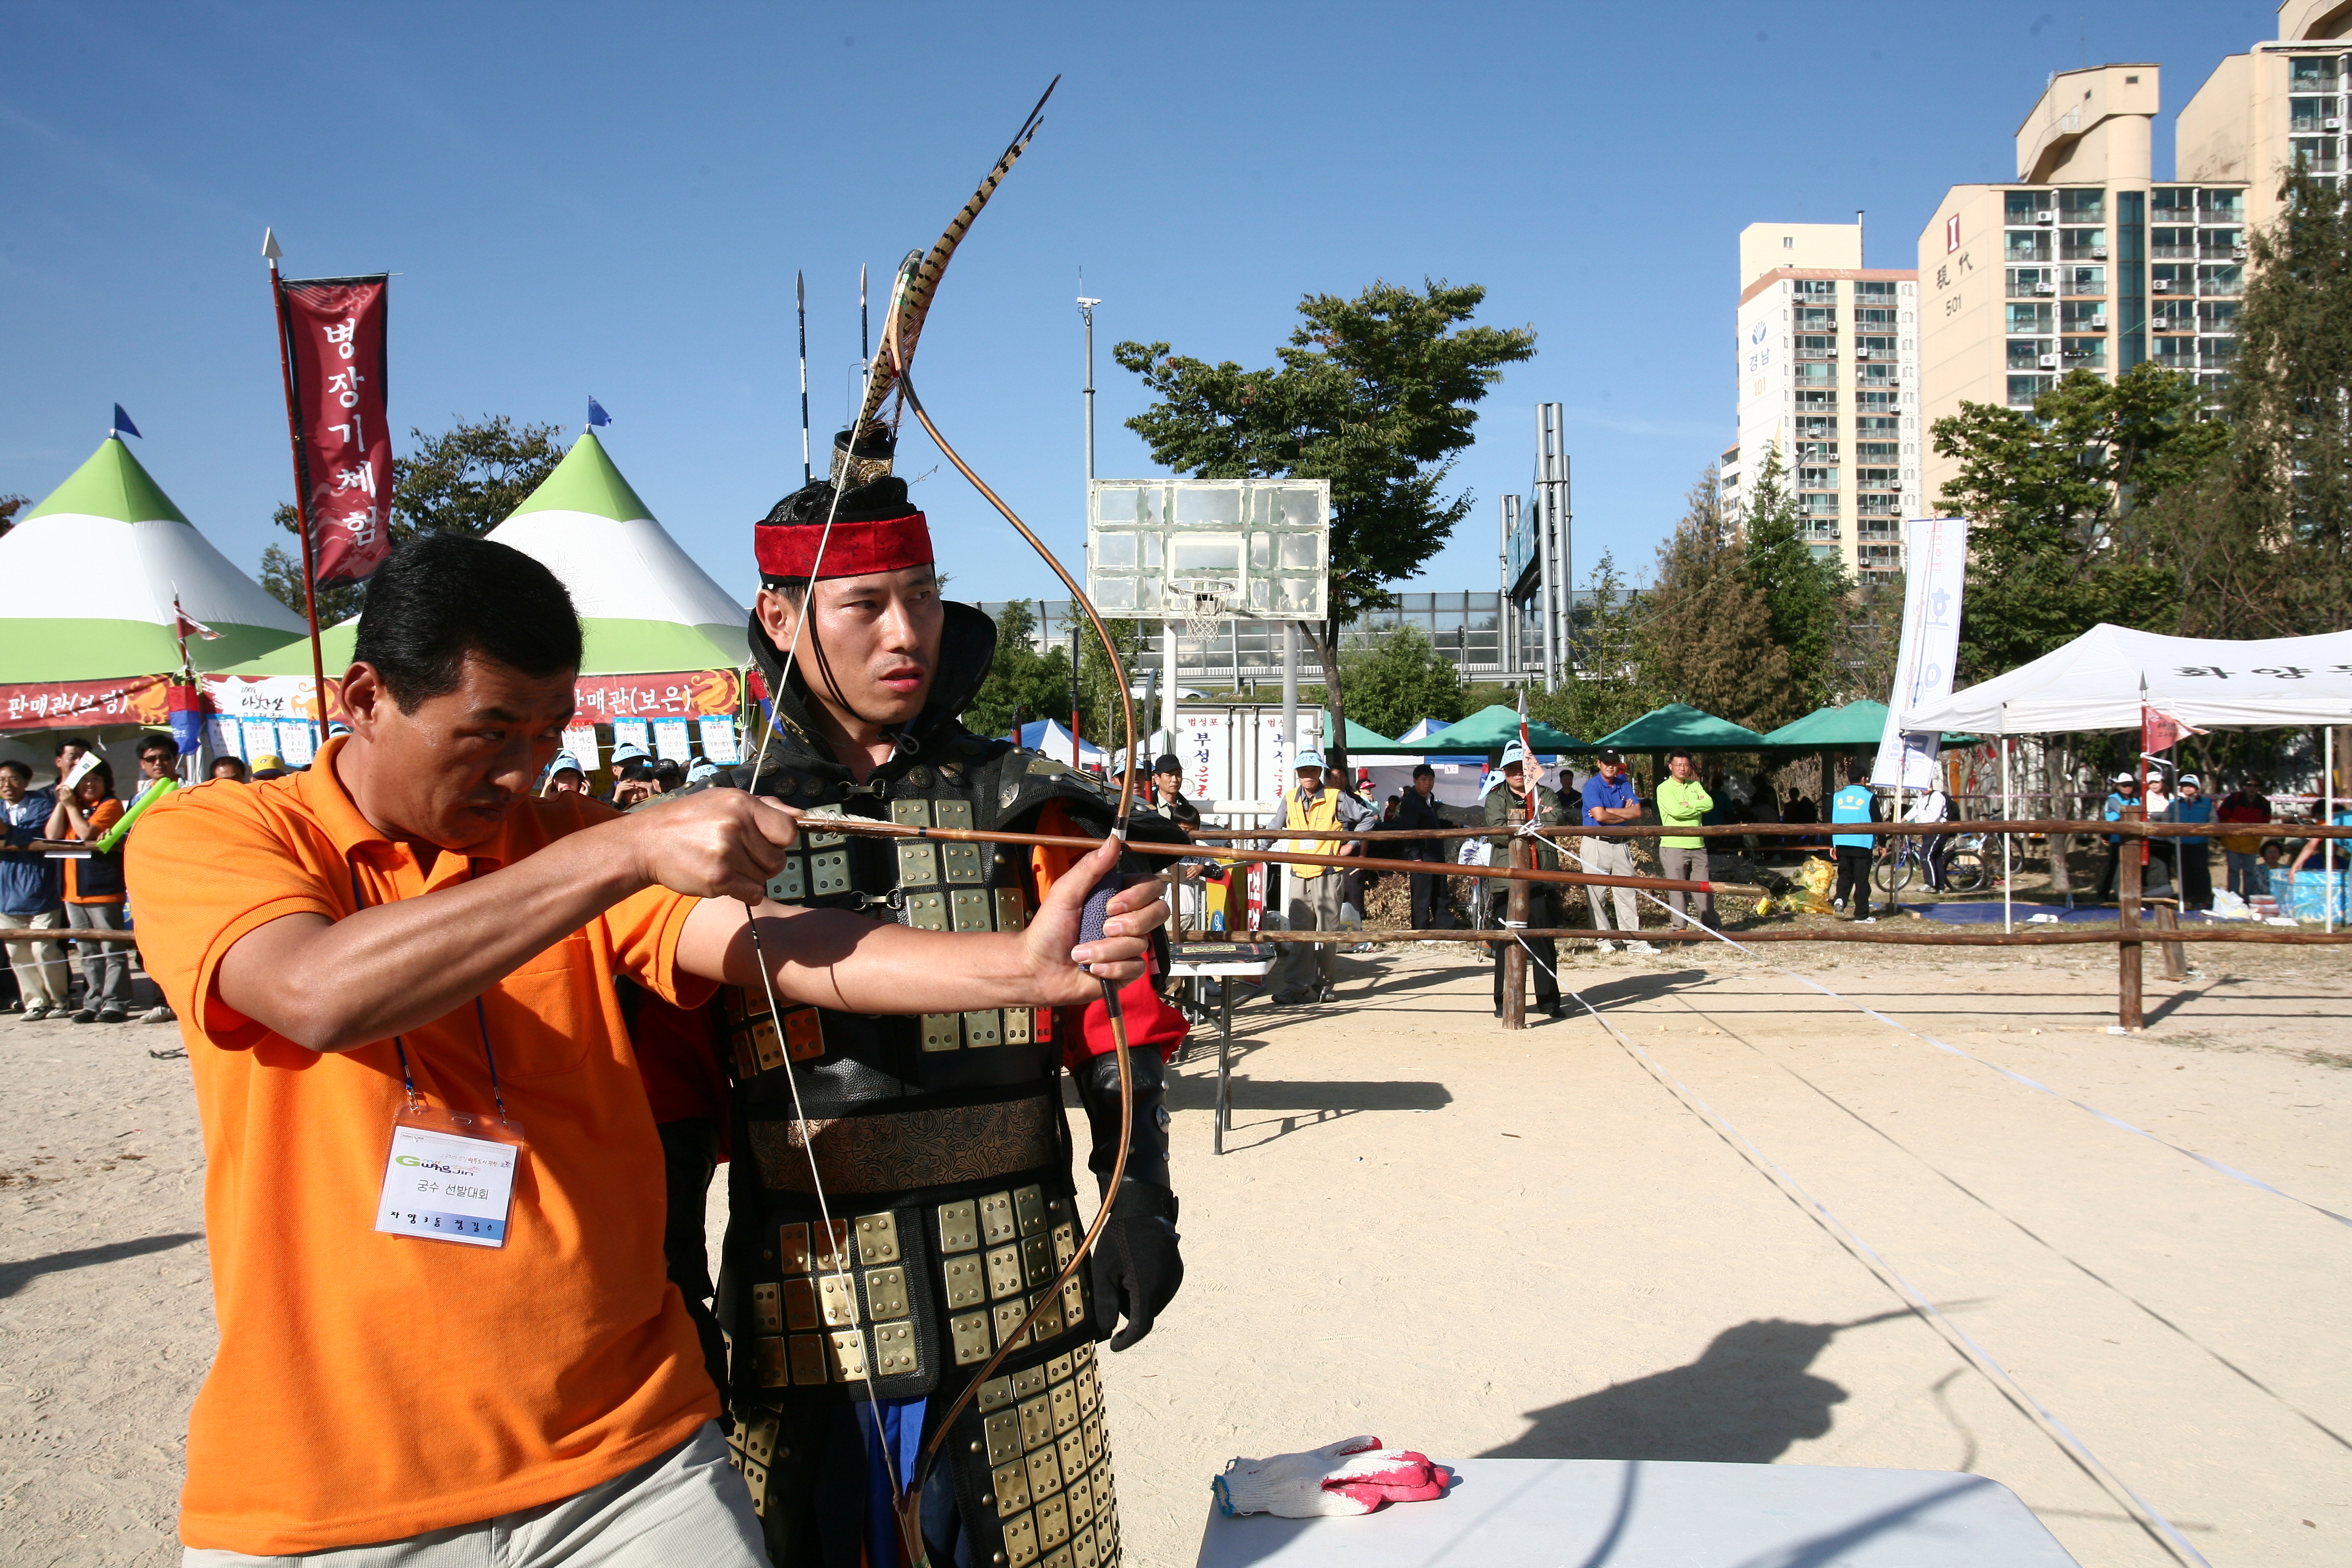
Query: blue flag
596	414
122	425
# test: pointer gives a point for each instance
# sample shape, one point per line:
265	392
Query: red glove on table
1354	1475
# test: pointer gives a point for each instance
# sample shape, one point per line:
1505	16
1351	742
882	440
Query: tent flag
2160	732
183	624
1935	556
596	414
122	425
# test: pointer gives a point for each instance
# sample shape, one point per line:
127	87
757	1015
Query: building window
1816	319
2172	316
1875	373
2175	354
2171	277
2221	207
2022	207
1817	528
2216	353
2085	354
1817	290
1874	348
1873	424
1815	503
2217	316
2026	245
2314	154
1874	400
1875	479
1874	452
2174	206
2026	320
1816	374
2179	244
1813	427
1817	345
2311	73
1880	558
2030	282
1877	528
1874	319
2024	389
2083	206
1873	290
2025	353
1814	400
2083	244
2228	279
2080	280
1817	452
2084	316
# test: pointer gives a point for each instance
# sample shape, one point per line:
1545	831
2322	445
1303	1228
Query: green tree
1805	594
9	507
1705	635
1021	679
2051	497
467	479
1399	681
2260	543
1609	686
1377	395
1099	706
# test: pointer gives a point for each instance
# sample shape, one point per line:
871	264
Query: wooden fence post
1515	957
2127	953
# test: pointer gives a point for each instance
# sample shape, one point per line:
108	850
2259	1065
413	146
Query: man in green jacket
1506	808
1683	801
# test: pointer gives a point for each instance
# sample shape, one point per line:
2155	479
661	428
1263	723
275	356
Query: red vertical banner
336	372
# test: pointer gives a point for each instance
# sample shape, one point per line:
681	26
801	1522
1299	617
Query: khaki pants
1611	858
1309	903
41	967
1686	865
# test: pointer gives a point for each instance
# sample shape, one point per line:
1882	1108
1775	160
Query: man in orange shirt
433	1189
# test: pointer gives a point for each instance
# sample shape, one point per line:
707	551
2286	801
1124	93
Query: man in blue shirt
1610	802
1855	803
2189	804
29	891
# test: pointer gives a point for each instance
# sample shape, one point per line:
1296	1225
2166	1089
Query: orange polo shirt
372	1386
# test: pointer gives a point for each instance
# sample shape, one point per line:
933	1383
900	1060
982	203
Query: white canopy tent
2099	681
2103	680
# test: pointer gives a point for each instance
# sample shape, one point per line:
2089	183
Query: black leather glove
1137	1267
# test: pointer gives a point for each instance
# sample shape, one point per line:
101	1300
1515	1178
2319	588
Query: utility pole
1551	482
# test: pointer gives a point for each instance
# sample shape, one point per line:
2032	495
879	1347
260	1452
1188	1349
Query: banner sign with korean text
335	348
1935	571
271	696
63	704
688	694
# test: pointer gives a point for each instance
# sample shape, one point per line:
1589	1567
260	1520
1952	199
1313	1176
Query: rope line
2146	1513
2235	1175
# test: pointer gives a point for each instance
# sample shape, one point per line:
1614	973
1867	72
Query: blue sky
612	200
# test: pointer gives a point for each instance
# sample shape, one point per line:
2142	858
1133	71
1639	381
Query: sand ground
1523	1244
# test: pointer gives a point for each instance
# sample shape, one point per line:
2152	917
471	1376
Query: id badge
449	1176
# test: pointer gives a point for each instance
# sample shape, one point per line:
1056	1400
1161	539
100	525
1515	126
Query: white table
1224	962
1617	1513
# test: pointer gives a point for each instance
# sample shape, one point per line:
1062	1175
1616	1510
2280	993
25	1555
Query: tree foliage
9	507
2049	496
466	479
1020	680
1376	393
1611	684
1707	634
1399	681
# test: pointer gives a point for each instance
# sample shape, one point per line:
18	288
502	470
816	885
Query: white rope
1846	1236
2115	1121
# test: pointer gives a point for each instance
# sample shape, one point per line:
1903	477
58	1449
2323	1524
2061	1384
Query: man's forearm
335	984
831	958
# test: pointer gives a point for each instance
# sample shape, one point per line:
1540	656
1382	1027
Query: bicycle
1965	867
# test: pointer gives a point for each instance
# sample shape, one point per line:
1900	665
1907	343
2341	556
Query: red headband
855	549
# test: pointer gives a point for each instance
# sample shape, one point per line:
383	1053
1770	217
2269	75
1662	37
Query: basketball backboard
1204	549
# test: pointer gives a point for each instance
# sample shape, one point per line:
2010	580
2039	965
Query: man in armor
938	1143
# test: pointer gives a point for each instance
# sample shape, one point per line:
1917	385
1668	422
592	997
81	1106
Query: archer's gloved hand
1354	1475
1137	1267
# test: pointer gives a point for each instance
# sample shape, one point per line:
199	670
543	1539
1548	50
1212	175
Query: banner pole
302	502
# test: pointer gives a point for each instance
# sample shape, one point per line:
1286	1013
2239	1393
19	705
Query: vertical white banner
1935	571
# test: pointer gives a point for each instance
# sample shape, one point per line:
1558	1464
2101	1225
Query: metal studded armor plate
941	1146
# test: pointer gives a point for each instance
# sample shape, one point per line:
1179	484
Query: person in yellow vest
1307	970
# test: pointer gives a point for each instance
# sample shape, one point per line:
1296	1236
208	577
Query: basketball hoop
1200	622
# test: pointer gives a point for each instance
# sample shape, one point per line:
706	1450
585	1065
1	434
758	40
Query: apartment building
2280	105
1829	378
2085	262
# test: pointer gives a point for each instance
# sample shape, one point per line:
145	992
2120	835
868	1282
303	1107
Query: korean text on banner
633	732
1934	560
580	746
670	741
297	743
335	344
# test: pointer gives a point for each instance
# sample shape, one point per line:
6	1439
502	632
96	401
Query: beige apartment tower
1829	377
2085	261
2280	104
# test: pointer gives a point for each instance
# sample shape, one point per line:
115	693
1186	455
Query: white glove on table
1354	1475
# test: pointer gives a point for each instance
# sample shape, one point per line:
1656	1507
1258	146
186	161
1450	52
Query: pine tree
1804	595
1706	634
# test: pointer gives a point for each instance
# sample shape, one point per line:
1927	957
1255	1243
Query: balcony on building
2222	244
1874	348
1874	452
2083	316
1818	427
1874	319
2173	353
2083	353
1889	526
2024	389
2032	282
2081	245
2227	281
1817	451
1816	291
2083	282
2171	277
1879	563
1816	319
1817	345
2172	244
2026	245
1818	479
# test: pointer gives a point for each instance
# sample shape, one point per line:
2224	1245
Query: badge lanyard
449	1175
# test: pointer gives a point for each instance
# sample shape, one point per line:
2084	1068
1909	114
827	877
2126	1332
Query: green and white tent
87	579
645	606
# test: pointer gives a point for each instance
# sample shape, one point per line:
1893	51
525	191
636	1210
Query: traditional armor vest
945	1159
